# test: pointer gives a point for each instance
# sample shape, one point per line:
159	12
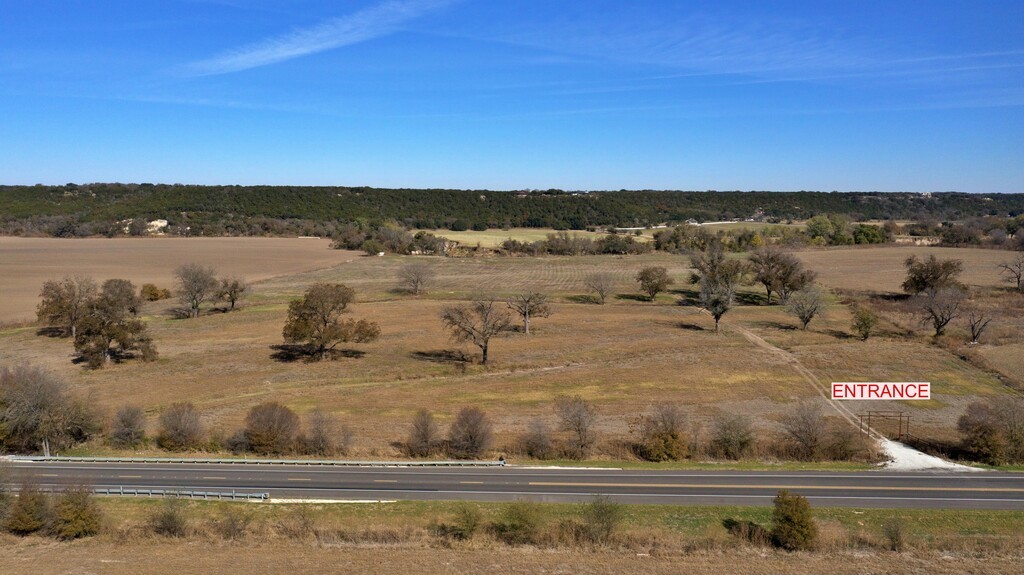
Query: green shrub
76	515
793	527
464	524
664	447
521	522
29	512
150	292
601	518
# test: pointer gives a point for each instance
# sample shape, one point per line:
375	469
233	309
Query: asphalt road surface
945	490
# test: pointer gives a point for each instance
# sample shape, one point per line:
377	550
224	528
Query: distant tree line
98	209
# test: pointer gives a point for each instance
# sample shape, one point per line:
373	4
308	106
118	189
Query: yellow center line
129	476
214	477
49	475
299	479
795	487
385	481
472	482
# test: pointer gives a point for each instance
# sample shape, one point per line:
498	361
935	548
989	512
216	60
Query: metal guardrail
294	462
184	493
219	495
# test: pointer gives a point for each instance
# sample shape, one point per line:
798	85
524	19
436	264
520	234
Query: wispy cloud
372	22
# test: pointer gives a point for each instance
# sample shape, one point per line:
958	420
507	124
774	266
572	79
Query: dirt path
808	376
902	457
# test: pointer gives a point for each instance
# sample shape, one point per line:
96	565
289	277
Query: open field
623	356
25	263
387	538
880	269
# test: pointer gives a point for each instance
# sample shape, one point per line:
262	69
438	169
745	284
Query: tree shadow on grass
838	334
633	297
179	313
690	326
445	356
776	325
747	298
52	331
687	296
288	353
583	299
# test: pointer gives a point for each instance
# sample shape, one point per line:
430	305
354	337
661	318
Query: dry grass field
388	538
623	356
25	263
156	556
880	269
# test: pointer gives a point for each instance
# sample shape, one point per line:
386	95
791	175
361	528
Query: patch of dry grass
398	537
880	268
25	263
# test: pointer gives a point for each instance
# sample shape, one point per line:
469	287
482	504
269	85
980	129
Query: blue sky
513	94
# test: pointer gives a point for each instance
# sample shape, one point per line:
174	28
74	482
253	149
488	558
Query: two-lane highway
842	489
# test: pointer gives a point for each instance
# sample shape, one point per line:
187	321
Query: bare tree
805	428
717	277
1014	271
315	320
231	289
536	442
864	321
994	431
322	434
477	323
38	412
577	416
416	277
64	303
424	434
470	434
941	306
653	280
195	284
794	277
805	304
601	284
713	269
180	428
271	428
732	436
529	305
978	321
128	429
717	300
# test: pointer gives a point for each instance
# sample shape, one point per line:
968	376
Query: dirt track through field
808	375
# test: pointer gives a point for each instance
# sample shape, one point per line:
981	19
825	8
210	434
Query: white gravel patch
904	458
